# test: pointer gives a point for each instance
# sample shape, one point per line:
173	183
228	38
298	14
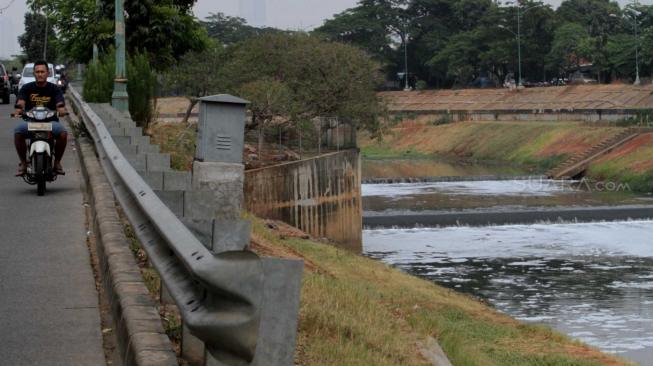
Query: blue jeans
57	129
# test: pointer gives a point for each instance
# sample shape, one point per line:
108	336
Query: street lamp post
518	35
95	48
406	58
636	46
119	98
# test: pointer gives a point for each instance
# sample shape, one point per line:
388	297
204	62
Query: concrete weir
320	196
504	217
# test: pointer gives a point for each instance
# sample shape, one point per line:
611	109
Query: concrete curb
141	338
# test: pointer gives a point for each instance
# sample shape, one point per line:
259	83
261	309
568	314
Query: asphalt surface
48	303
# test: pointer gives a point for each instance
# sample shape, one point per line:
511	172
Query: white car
28	75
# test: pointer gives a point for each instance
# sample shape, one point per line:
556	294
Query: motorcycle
40	148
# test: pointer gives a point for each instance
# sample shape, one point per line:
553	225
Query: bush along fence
236	308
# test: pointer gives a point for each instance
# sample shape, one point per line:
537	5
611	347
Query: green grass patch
178	140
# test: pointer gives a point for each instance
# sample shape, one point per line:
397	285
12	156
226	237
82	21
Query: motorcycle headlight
40	115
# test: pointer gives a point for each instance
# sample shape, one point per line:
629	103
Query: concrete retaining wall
320	196
526	115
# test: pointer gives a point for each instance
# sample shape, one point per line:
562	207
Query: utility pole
95	48
45	41
636	47
119	98
406	58
520	83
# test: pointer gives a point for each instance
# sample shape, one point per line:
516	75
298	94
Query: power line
6	7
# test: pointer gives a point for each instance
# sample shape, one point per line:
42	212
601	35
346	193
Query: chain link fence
278	142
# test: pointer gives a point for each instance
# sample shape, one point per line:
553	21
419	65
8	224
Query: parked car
28	75
5	85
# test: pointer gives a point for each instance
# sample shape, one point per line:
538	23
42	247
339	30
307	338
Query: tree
269	100
196	76
324	79
570	45
379	27
32	41
229	30
165	29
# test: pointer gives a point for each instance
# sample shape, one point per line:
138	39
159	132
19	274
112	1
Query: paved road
48	303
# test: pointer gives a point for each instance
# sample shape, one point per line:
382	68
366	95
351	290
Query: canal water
592	281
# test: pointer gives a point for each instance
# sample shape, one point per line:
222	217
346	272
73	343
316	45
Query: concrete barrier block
128	149
137	161
199	204
122	140
201	228
134	131
174	200
231	235
147	148
153	179
117	131
225	181
157	162
176	181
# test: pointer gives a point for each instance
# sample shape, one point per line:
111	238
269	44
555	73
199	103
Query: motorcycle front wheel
40	173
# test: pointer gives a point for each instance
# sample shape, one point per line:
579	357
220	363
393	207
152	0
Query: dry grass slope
357	311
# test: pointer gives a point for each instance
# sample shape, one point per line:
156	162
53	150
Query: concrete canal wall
320	196
589	103
483	217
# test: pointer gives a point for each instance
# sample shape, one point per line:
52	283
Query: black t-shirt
48	96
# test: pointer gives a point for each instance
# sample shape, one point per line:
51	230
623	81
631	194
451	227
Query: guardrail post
212	210
217	187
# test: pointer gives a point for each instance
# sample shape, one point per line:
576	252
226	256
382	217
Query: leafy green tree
165	29
32	41
379	27
324	79
196	76
568	48
230	30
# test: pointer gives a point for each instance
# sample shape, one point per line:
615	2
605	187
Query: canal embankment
359	311
534	146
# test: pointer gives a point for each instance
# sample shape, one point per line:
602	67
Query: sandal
22	170
58	170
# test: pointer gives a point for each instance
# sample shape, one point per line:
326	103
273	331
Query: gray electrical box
221	129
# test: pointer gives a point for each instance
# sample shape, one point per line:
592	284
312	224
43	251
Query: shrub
98	84
140	88
98	79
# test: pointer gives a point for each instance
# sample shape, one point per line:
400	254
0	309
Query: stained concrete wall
526	115
320	196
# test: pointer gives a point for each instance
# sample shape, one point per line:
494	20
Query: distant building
8	38
254	12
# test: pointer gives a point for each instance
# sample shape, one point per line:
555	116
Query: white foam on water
540	273
630	238
534	187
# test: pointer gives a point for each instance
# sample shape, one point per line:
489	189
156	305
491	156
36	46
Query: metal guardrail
219	296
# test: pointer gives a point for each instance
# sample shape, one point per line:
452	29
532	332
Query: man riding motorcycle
35	94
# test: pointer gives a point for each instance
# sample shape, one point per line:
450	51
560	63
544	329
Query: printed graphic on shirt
39	101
